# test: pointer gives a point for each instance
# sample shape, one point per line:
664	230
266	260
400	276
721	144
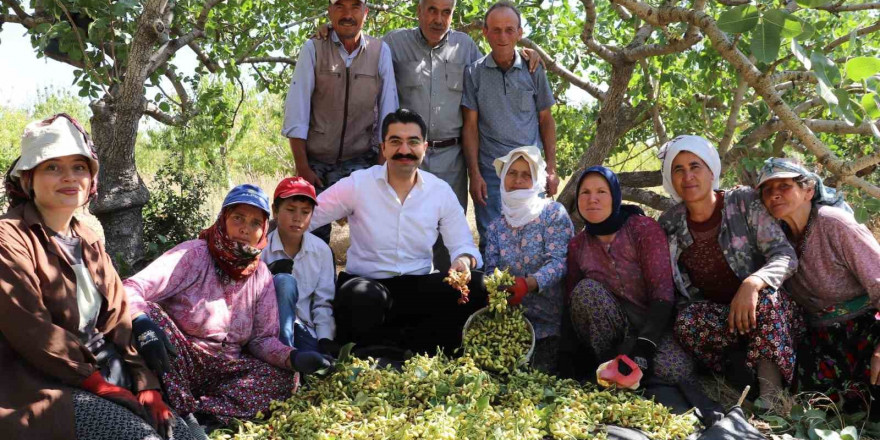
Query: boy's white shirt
315	274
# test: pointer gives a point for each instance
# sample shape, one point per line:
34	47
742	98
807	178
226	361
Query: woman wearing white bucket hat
70	370
530	239
729	260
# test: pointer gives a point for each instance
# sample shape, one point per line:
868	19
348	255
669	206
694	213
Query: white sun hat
57	136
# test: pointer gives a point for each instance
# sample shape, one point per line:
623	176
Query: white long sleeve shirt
390	237
315	274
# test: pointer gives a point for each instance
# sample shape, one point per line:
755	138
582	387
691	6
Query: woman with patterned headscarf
619	285
837	282
205	318
729	260
529	239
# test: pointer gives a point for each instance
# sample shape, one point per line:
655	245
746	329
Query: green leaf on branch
871	105
767	37
811	3
860	68
788	24
739	19
808	31
825	69
826	93
844	109
801	54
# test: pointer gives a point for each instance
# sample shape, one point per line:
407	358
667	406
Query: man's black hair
404	116
499	5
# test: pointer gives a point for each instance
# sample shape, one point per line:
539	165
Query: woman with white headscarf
729	260
530	240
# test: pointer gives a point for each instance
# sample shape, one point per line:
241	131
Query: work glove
308	362
519	289
152	344
96	385
284	265
620	371
158	412
329	347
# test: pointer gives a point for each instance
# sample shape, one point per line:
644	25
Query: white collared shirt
315	274
390	237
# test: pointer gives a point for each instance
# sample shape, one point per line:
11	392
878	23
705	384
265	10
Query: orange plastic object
607	374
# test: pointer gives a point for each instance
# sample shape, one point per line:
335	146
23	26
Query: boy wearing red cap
303	270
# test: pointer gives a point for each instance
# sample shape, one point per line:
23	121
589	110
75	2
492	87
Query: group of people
778	284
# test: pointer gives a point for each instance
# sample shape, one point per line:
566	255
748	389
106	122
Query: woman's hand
875	366
742	317
157	410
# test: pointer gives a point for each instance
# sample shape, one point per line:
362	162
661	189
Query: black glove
329	346
642	354
307	362
284	265
152	344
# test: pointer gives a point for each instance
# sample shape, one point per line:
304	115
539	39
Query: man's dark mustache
404	156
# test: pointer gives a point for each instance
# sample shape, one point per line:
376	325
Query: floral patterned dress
753	244
538	249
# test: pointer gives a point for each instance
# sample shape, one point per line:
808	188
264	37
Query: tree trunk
121	192
613	122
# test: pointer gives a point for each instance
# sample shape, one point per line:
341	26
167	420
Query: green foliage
814	416
176	211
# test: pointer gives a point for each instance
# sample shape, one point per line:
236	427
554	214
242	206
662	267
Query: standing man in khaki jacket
330	115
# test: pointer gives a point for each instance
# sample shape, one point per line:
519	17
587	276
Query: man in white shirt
303	270
388	293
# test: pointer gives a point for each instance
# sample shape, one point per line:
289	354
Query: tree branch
755	78
152	111
164	53
647	198
178	87
600	50
206	61
730	128
254	60
656	119
640	179
16	7
566	74
848	8
859	32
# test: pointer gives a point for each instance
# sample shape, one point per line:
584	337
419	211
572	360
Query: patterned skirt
701	328
600	321
836	359
201	382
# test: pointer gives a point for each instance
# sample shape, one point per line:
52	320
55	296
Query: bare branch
647	198
206	61
152	111
656	119
848	8
794	75
653	50
164	53
600	50
859	32
254	60
178	87
566	74
861	163
732	118
16	7
640	179
734	2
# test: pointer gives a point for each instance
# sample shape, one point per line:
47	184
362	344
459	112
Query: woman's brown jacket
41	357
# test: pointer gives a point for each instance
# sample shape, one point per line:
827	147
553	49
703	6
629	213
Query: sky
22	74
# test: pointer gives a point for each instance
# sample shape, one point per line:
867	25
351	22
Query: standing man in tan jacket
341	88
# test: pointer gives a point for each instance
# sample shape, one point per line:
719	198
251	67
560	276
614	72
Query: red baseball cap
295	186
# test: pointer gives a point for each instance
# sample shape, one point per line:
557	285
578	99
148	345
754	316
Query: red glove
157	410
614	371
96	385
519	289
